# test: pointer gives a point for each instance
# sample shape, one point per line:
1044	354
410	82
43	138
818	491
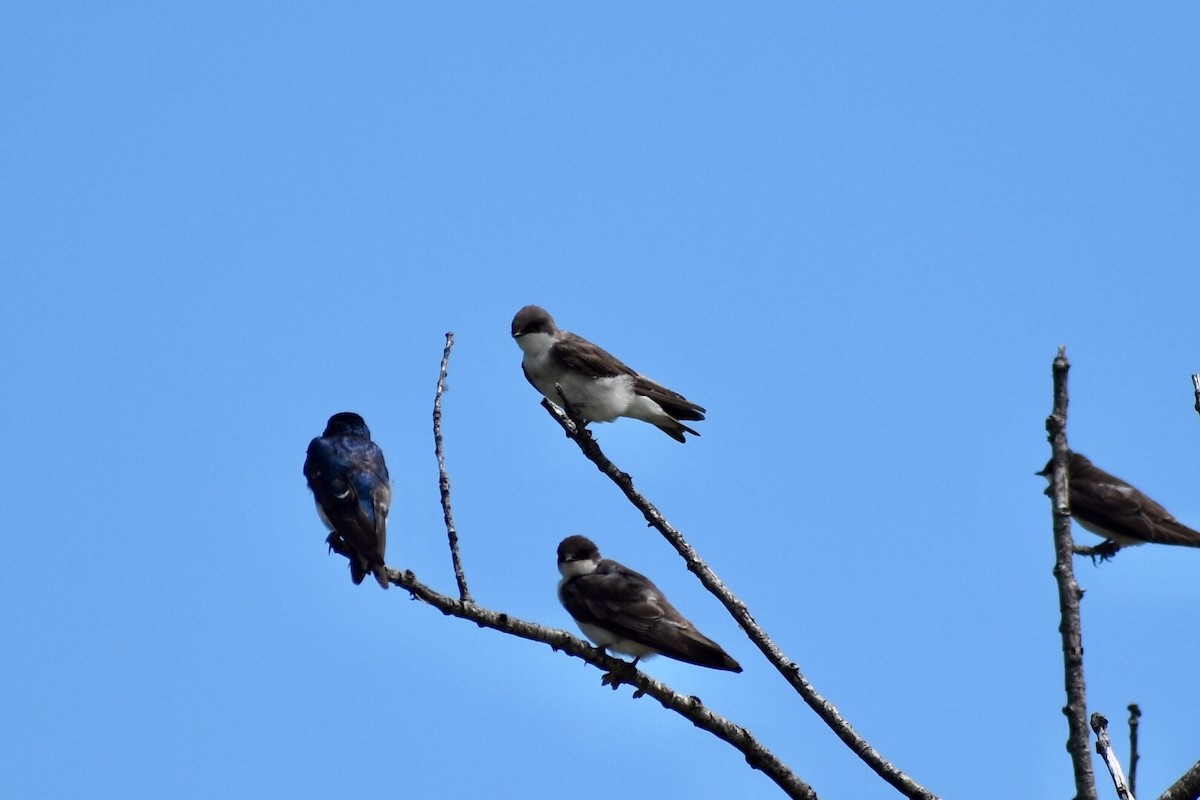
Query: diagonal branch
1186	788
1069	592
690	708
1105	749
737	609
444	479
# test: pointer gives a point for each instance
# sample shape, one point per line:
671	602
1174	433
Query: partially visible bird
1108	506
349	482
622	610
597	385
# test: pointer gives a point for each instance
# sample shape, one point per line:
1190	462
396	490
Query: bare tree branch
1135	714
1104	748
1186	788
737	609
1069	592
444	479
618	671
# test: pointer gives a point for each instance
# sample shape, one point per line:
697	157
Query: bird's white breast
573	569
535	345
615	643
599	399
1107	534
324	519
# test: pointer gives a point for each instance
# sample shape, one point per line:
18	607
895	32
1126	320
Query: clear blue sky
855	233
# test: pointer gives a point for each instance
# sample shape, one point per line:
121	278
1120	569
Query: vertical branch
1196	387
1104	748
1135	714
443	479
1069	592
1186	788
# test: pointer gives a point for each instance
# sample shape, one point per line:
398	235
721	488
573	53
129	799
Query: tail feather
673	403
381	576
676	431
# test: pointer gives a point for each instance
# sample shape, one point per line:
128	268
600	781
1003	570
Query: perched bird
349	482
621	610
1109	507
597	385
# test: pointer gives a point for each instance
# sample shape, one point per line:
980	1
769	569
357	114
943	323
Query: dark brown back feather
1105	501
629	605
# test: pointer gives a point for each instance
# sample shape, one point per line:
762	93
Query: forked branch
737	609
689	708
617	671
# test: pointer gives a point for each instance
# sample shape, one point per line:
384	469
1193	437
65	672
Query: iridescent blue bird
349	481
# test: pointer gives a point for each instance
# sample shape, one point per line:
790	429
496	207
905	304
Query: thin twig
1186	788
757	756
737	609
1104	748
1069	592
1135	714
443	479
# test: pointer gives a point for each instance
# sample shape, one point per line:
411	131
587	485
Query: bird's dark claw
1103	551
622	674
338	545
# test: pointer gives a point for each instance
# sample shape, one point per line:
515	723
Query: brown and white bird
349	482
623	611
1108	506
598	386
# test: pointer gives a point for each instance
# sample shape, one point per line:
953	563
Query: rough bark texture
1135	714
460	575
1186	788
1069	592
1105	749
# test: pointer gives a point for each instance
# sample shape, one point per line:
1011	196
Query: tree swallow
597	385
1109	507
621	610
349	482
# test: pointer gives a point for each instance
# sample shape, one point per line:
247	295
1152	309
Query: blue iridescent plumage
349	481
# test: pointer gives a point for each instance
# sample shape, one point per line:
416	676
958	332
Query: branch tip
1099	724
460	575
